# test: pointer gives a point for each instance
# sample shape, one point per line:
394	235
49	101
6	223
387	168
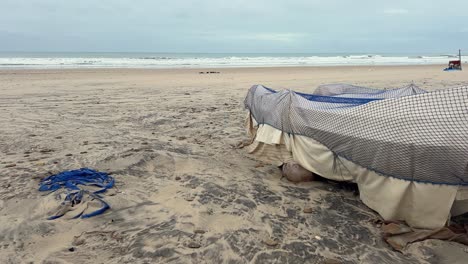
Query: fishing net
405	133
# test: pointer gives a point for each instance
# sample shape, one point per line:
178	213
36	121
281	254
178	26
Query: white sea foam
207	61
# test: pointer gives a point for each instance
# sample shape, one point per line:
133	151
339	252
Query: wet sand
184	193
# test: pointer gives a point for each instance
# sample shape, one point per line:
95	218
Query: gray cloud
233	26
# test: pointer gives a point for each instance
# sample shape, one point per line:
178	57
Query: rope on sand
70	181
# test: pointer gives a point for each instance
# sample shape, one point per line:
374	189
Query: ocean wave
198	61
155	58
17	64
85	63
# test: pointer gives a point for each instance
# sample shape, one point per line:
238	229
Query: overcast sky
234	25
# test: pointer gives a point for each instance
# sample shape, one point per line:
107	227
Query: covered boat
407	149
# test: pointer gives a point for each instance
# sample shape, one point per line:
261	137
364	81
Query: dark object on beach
193	244
209	72
72	249
296	173
343	185
199	231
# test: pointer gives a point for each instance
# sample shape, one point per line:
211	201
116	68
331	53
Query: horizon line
237	52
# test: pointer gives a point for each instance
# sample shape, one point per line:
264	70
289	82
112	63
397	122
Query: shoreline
215	67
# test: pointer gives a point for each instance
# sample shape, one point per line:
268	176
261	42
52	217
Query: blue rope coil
70	180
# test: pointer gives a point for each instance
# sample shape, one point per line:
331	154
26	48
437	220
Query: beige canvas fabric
421	205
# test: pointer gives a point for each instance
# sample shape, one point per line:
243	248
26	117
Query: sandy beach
184	192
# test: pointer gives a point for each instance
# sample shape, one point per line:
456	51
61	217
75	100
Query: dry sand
184	194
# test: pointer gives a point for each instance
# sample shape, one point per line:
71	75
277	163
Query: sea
70	60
